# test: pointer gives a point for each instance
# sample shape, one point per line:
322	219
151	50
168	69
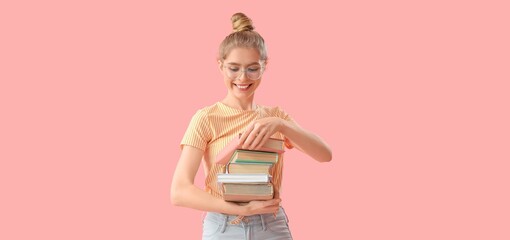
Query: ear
220	65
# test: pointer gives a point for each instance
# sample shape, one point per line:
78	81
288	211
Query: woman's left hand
259	131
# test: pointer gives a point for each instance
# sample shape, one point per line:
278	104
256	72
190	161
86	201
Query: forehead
243	56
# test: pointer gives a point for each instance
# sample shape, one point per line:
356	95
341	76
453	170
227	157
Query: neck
242	104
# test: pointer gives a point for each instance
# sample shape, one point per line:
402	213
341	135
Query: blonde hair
242	36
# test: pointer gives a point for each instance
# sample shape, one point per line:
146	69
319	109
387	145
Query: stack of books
247	174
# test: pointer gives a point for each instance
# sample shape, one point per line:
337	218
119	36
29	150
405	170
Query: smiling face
244	63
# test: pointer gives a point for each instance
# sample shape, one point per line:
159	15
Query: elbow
324	155
176	196
174	199
327	157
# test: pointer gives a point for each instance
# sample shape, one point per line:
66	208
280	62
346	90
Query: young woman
242	60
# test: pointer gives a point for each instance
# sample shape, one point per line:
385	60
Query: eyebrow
237	64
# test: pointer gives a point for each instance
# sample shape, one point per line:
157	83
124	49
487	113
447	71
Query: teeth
243	87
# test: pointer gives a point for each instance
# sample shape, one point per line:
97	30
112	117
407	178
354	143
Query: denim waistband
258	219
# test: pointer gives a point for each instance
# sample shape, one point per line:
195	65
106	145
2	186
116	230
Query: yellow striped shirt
213	127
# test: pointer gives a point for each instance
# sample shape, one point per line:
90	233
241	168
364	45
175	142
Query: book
256	157
247	174
249	168
247	192
271	145
254	178
253	160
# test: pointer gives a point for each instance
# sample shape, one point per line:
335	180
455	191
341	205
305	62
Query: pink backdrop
412	97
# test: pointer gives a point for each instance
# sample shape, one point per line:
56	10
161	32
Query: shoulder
273	111
207	111
202	115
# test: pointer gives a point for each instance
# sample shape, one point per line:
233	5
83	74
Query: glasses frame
243	71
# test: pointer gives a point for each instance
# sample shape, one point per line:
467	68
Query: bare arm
184	193
306	141
259	131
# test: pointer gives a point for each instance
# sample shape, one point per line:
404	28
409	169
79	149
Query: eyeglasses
253	72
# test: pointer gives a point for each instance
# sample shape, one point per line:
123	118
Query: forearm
306	141
190	196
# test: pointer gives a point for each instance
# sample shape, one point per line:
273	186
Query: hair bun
241	22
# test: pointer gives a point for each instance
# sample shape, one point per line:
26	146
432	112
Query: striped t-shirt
213	127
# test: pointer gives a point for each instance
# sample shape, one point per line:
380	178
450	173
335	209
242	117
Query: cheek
227	81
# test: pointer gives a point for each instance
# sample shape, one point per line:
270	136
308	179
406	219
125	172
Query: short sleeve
198	133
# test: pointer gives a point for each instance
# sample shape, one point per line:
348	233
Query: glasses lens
252	73
232	72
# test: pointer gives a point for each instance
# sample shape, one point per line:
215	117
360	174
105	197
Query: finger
251	136
273	208
276	212
258	138
270	210
272	202
262	141
246	132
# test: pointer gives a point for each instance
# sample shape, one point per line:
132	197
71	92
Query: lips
242	86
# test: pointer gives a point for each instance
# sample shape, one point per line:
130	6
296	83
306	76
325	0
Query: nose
242	76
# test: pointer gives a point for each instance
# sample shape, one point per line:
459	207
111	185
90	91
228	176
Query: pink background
412	97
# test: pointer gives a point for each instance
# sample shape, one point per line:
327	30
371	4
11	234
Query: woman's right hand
262	207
